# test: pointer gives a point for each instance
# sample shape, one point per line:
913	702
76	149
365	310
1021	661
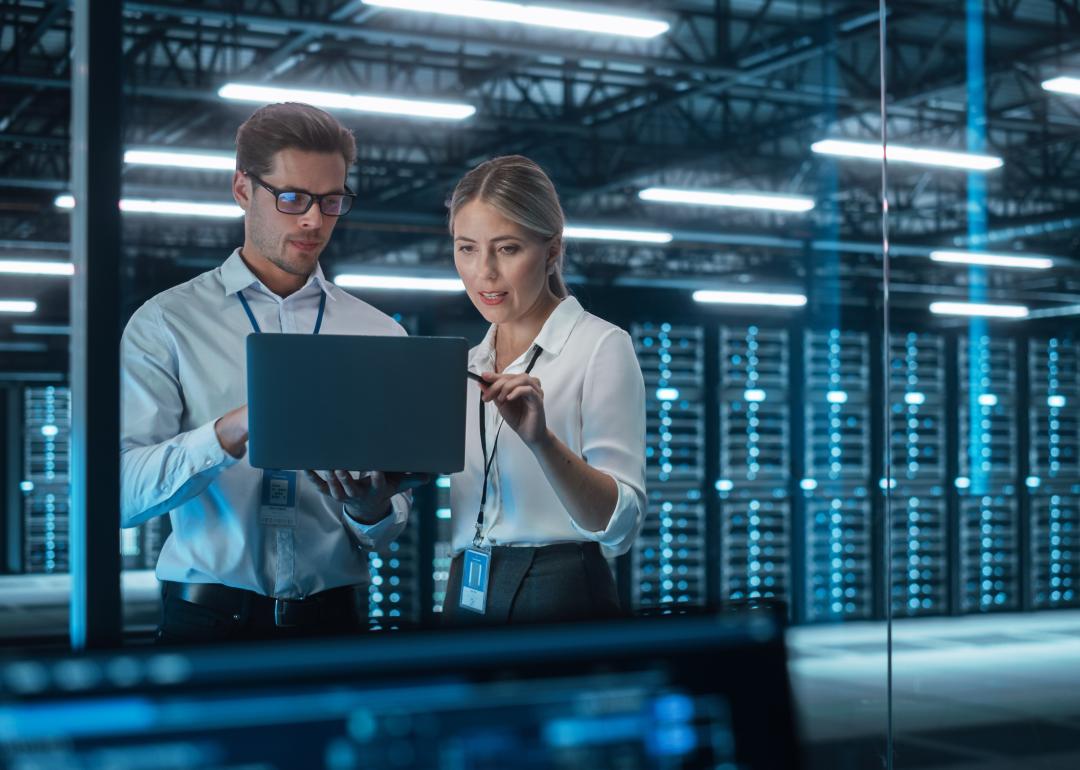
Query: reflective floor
987	692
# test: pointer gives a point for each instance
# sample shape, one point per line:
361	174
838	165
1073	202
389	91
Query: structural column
96	135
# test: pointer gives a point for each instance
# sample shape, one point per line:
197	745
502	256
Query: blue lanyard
255	324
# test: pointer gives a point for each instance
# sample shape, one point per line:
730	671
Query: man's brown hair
290	126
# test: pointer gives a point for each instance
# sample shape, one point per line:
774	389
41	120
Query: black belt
247	606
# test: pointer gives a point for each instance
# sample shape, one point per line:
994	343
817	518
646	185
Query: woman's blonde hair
520	191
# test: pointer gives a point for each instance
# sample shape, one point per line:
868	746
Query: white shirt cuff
617	536
382	532
205	451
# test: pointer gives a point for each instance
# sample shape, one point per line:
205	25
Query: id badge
475	571
277	501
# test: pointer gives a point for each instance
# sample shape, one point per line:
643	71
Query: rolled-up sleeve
613	436
160	467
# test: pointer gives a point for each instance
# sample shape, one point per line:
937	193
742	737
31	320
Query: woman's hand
520	400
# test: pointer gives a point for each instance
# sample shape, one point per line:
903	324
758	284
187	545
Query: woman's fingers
517	381
503	384
522	391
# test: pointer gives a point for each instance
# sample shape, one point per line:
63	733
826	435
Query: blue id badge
475	571
277	500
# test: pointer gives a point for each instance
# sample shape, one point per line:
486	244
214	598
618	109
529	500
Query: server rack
755	506
919	536
838	505
46	483
1053	481
988	510
668	561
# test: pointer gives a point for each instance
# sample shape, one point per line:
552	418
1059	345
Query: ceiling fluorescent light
978	309
165	207
17	306
739	200
23	347
992	260
181	208
750	298
1063	85
339	101
617	234
216	161
536	15
901	154
399	282
36	267
49	329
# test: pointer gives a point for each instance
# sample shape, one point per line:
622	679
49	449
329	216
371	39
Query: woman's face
504	266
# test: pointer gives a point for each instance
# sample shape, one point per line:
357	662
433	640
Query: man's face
291	242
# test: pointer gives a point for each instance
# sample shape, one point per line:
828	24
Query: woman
554	474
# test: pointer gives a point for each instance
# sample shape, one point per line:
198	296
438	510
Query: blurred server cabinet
988	505
45	483
443	543
755	463
46	490
394	592
839	562
917	434
668	560
1053	483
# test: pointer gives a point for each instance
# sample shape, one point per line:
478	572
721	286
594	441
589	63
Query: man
235	565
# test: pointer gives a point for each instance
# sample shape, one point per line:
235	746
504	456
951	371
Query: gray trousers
551	583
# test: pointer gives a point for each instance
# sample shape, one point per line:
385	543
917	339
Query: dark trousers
551	583
216	613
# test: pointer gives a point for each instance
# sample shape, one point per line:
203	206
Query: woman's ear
553	254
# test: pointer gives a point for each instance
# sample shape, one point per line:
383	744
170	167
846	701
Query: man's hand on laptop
232	431
366	498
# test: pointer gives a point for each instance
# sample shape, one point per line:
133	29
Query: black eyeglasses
299	202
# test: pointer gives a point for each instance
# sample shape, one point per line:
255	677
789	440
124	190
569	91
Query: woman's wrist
544	443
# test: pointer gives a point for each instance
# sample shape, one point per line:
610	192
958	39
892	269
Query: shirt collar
551	339
237	276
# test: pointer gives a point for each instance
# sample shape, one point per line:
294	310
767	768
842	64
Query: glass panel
983	393
765	405
35	402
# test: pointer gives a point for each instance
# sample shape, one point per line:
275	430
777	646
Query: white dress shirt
183	366
594	402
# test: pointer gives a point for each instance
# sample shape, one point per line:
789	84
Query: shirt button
208	463
164	487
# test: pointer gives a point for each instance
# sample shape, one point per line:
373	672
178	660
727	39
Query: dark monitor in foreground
679	692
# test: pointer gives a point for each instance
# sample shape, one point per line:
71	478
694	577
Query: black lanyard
255	324
489	460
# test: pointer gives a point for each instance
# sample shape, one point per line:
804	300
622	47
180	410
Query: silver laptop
350	402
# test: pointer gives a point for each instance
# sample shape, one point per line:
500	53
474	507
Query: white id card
475	571
277	500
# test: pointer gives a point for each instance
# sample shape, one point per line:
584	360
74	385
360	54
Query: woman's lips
492	297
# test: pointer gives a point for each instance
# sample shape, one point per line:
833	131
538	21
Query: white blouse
594	401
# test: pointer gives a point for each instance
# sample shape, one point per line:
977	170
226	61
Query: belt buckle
280	612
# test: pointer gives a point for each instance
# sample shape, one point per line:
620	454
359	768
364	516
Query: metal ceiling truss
731	96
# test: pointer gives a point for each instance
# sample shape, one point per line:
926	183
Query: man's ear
241	189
